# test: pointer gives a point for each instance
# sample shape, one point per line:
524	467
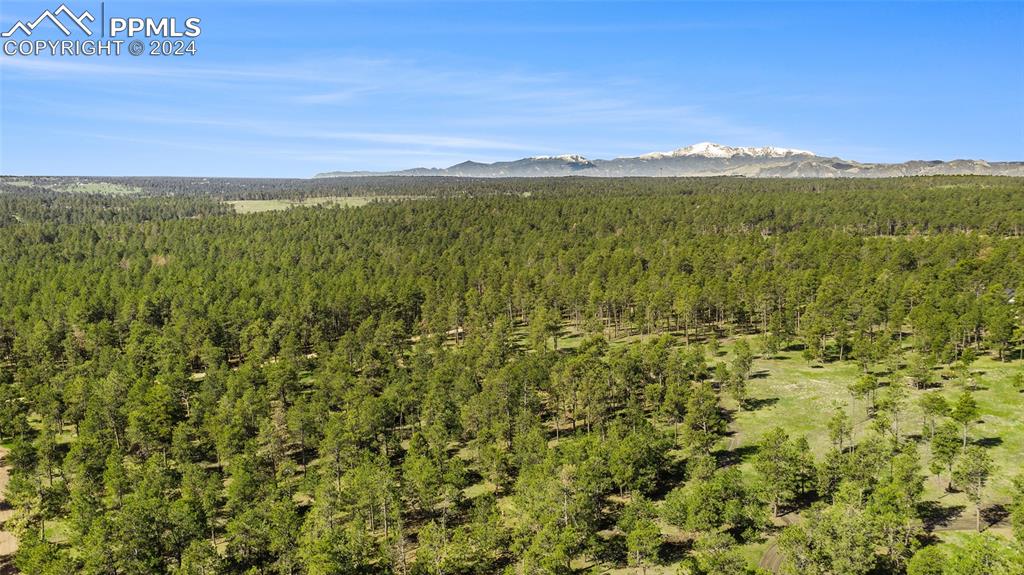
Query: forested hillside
696	376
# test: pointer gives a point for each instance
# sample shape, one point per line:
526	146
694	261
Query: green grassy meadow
257	206
800	396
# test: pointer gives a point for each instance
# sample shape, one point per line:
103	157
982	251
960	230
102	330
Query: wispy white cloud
428	140
303	131
320	157
334	109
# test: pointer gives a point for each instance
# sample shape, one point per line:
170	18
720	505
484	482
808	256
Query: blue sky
292	89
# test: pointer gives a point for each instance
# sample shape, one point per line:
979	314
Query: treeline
866	206
238	188
381	389
20	205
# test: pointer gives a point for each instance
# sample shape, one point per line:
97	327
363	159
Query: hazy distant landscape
708	159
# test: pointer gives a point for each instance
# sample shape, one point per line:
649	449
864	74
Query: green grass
954	542
98	188
57	531
1001	406
75	187
799	397
18	183
257	206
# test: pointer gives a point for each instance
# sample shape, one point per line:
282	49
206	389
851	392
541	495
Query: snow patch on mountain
712	150
576	158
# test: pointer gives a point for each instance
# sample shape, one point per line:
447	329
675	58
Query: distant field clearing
254	206
97	188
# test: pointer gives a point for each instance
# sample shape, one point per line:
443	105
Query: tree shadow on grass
994	515
935	515
914	437
609	549
988	442
735	456
562	430
671	474
755	403
674	550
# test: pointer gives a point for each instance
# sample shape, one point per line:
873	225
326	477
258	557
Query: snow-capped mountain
712	150
707	159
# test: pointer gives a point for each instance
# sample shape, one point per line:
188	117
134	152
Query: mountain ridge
705	159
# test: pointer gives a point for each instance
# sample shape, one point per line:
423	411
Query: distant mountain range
707	159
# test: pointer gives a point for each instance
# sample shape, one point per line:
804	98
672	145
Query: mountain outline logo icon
63	9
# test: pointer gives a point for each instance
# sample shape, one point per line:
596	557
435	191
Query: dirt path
772	558
8	544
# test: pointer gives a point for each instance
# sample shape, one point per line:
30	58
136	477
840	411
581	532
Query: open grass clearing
258	206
